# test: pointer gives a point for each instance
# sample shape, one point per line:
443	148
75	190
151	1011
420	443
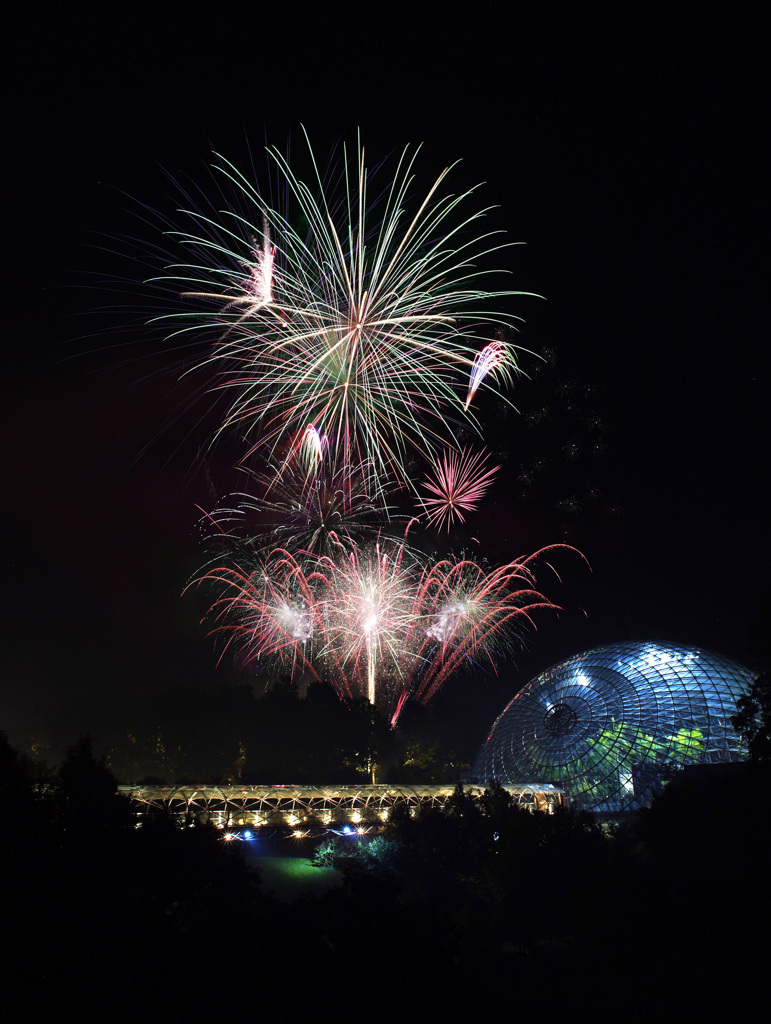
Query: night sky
625	148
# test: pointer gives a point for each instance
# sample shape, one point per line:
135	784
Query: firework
458	482
492	357
348	337
254	289
371	616
476	615
308	504
265	613
365	325
379	623
312	447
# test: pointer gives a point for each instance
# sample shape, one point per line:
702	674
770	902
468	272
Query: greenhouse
608	726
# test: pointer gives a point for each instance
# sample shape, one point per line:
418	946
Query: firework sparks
475	614
253	287
379	623
364	326
312	445
458	482
370	618
265	613
317	510
491	358
259	282
343	353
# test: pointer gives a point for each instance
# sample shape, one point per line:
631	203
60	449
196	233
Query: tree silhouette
753	719
86	794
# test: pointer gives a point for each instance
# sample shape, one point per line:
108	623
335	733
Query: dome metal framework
606	725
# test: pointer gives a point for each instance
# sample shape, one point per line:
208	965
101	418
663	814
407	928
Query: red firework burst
380	623
458	482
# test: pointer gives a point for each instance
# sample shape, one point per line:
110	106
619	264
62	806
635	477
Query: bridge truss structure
317	808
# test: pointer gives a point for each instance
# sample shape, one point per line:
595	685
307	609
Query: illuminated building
314	808
608	725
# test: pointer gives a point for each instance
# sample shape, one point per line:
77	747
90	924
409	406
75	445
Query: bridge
317	807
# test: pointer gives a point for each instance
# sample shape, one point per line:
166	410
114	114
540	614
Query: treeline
481	908
660	917
95	911
228	735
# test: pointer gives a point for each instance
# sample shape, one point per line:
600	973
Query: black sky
625	147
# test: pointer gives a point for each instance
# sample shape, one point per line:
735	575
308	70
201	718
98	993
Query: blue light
603	724
347	830
248	835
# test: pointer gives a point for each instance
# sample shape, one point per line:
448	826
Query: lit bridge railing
317	806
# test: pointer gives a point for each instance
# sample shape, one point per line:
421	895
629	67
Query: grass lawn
290	877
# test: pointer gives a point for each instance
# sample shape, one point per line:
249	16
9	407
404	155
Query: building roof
608	724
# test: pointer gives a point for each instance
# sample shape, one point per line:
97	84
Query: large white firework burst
367	321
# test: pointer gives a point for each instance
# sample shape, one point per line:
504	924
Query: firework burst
265	613
371	616
492	357
312	447
348	339
302	506
378	623
457	483
365	325
476	615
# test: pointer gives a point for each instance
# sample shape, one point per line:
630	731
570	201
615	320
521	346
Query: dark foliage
85	796
228	735
753	719
87	899
185	735
489	905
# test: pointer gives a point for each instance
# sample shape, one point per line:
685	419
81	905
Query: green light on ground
290	877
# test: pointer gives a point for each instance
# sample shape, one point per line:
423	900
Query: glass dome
606	725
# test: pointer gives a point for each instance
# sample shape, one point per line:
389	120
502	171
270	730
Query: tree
25	803
87	795
753	719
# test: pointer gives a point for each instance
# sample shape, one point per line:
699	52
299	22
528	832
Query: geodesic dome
605	725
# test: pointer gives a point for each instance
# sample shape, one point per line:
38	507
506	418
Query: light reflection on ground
290	877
